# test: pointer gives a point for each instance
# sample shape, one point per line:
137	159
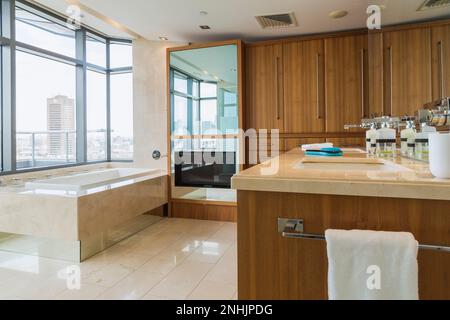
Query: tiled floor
172	259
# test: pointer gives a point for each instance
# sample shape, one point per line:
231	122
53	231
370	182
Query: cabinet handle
390	80
441	69
319	82
277	83
363	83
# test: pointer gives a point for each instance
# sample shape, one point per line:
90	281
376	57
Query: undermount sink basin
349	164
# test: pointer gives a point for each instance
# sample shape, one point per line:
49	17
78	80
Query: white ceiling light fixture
203	13
434	4
163	38
338	14
278	20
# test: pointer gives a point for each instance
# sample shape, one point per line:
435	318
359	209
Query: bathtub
75	216
83	181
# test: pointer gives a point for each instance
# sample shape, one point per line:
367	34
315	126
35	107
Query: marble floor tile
208	290
107	276
179	283
172	259
86	292
132	287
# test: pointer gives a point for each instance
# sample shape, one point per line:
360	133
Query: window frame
8	47
190	96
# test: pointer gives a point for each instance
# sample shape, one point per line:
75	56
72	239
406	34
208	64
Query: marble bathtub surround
84	216
413	179
20	178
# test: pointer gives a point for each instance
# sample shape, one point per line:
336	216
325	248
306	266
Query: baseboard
203	210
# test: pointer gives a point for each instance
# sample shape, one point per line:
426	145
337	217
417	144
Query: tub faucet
156	155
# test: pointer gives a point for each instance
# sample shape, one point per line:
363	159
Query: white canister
440	155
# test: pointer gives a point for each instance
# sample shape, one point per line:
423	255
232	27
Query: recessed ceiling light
163	38
205	27
203	13
338	14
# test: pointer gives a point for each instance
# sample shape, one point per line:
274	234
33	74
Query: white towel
372	265
316	146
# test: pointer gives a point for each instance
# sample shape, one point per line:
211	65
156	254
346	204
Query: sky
39	79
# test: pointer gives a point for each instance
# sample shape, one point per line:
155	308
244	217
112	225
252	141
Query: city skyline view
39	79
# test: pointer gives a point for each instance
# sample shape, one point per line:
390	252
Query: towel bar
293	228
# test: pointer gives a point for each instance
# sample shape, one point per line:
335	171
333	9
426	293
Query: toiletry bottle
407	137
386	140
422	143
371	139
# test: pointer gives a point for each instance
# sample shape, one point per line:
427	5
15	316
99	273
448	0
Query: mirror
204	100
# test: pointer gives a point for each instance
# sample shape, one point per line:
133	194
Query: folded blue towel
325	152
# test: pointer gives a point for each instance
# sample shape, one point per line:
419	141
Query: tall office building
61	117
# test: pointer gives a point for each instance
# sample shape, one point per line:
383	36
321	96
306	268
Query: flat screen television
204	169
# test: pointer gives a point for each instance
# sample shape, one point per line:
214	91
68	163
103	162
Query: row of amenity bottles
382	142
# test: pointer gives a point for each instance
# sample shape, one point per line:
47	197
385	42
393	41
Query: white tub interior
84	181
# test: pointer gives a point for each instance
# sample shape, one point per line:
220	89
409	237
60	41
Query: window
96	116
208	116
208	90
40	32
122	116
180	115
121	55
63	114
180	83
202	108
96	51
45	112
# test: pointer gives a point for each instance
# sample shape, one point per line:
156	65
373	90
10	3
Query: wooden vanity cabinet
346	78
271	266
440	48
407	70
304	100
264	87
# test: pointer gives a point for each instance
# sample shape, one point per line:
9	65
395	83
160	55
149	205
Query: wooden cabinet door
441	61
375	65
264	87
345	81
407	66
304	99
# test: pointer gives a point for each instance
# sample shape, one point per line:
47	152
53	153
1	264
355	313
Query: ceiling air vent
280	20
434	4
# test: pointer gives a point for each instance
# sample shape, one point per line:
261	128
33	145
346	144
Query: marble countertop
400	178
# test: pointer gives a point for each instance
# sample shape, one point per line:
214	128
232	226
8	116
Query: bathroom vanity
286	204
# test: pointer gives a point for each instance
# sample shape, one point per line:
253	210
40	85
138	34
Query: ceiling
179	20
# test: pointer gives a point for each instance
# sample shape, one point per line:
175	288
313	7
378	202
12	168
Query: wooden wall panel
204	210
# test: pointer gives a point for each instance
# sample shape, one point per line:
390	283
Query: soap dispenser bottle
386	140
371	139
422	142
407	137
